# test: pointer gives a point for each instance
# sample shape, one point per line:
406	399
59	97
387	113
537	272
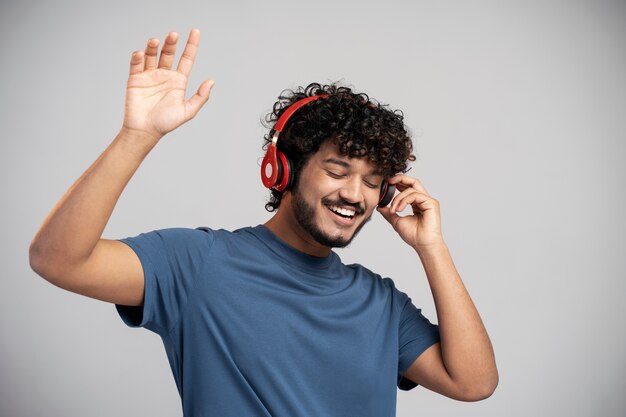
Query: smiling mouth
343	213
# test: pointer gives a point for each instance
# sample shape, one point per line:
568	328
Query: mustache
343	203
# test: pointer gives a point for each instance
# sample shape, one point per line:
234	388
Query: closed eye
370	185
334	175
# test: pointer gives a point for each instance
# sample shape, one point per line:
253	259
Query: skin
462	366
322	180
68	247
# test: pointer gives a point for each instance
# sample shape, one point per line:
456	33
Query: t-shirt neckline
290	254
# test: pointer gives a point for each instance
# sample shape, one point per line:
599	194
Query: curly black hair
359	125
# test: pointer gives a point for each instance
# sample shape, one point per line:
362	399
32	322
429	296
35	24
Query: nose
352	191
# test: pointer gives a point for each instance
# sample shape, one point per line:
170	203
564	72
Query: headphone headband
282	120
276	167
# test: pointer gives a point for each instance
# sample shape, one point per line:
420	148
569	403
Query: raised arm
462	366
68	250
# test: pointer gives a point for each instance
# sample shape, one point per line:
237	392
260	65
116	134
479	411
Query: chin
332	242
327	233
323	225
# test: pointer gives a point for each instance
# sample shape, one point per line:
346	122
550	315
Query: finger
136	62
396	199
168	51
189	54
414	198
195	103
388	215
151	53
399	203
402	182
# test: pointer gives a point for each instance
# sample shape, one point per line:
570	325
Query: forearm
465	346
72	229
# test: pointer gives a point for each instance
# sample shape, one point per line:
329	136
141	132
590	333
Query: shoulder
178	233
363	271
385	284
172	236
238	241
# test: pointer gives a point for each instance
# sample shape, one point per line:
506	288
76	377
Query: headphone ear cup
290	176
270	168
284	180
386	194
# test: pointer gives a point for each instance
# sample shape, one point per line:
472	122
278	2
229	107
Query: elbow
34	258
59	272
481	393
481	390
37	263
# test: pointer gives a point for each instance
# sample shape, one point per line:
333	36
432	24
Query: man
266	320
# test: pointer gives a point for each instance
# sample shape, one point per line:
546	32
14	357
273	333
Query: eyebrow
344	164
337	162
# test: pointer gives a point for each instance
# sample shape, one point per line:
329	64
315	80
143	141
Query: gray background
518	113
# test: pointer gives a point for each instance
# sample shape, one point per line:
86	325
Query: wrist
139	142
140	135
431	250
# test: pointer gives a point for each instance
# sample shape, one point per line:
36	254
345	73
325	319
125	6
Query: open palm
155	95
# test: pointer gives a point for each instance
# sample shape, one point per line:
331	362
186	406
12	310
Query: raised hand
422	229
155	95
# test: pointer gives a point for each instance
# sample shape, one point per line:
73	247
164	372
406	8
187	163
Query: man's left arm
462	365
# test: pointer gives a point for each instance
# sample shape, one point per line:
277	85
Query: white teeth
347	212
343	211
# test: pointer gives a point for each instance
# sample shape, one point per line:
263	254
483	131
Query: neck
284	225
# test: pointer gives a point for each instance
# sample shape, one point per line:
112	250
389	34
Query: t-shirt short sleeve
171	260
416	334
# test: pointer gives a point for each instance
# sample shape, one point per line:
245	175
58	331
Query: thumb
387	214
193	105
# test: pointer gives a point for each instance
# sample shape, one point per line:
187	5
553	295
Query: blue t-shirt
254	327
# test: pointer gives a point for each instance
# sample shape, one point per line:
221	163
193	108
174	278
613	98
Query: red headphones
276	168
